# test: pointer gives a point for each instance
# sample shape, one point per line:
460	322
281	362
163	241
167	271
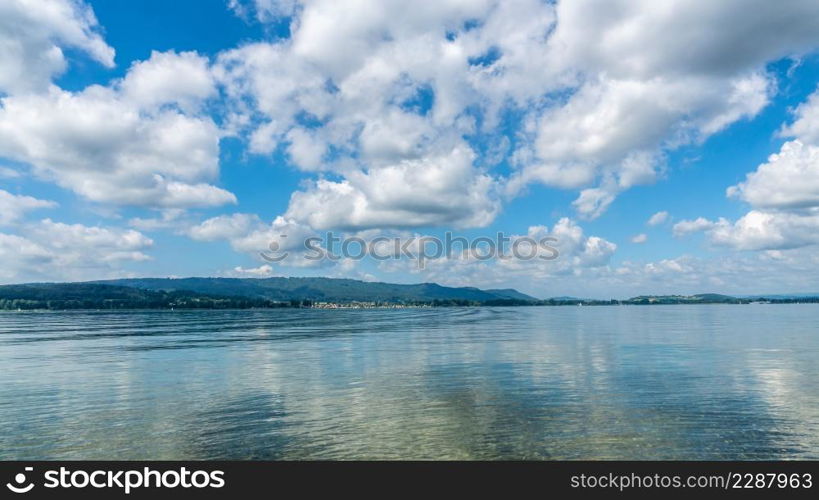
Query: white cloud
13	207
592	202
658	218
629	37
642	87
122	145
759	230
168	77
614	129
9	173
19	254
247	233
263	271
355	82
785	271
439	190
51	251
378	101
781	271
170	218
225	227
685	227
784	194
806	125
605	88
262	10
639	238
789	180
305	149
104	243
33	34
579	255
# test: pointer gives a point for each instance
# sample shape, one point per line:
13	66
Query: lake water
651	382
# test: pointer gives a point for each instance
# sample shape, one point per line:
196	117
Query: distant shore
354	305
312	293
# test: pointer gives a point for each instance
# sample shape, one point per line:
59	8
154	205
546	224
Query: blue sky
181	138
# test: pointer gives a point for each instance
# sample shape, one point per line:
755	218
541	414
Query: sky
667	147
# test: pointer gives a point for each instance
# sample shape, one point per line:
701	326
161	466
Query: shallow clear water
652	382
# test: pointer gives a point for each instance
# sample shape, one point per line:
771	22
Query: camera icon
20	480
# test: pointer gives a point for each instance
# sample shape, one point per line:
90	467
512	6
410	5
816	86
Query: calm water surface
656	382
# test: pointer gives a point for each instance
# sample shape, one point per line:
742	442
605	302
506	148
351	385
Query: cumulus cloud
576	248
775	271
580	255
363	93
440	190
167	77
170	218
33	35
759	230
18	254
262	10
263	271
632	37
127	144
658	218
785	271
51	250
781	271
247	233
225	227
604	89
409	115
806	125
13	207
642	89
784	194
789	180
639	238
685	227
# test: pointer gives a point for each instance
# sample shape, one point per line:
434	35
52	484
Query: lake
620	382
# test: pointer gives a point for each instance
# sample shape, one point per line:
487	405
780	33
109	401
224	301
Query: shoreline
396	307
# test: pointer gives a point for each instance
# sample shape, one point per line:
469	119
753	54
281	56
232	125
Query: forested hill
235	293
322	289
214	293
61	296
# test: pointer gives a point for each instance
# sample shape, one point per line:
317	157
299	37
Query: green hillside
215	293
99	296
320	289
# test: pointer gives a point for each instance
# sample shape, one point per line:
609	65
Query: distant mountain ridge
320	289
241	293
61	296
510	293
779	296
